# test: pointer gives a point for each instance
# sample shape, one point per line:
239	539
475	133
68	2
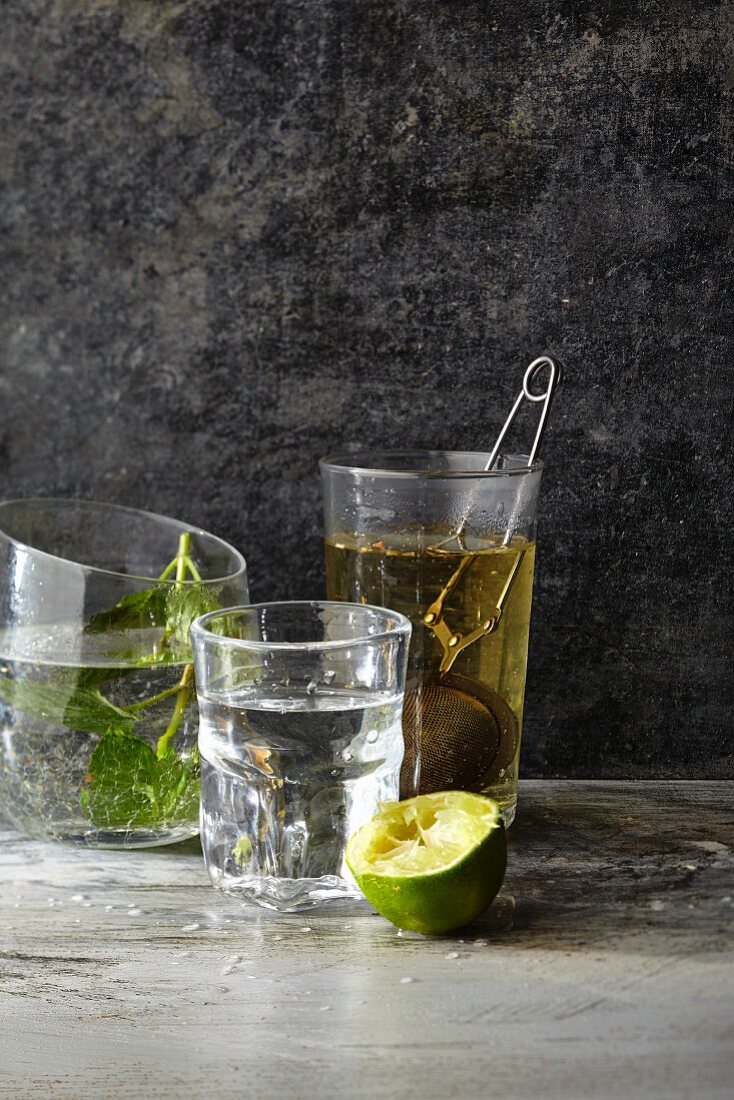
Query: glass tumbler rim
200	630
377	464
106	506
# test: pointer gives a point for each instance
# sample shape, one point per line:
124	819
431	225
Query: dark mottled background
238	234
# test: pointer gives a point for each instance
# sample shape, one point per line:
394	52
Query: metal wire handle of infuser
451	641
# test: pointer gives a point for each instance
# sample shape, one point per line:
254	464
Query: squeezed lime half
432	863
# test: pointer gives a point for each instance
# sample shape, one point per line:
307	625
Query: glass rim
106	506
199	628
358	462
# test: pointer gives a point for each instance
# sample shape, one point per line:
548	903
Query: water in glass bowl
94	751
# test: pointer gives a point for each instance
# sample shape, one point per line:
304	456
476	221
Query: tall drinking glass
98	719
434	535
300	741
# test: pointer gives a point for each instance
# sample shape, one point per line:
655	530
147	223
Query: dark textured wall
238	234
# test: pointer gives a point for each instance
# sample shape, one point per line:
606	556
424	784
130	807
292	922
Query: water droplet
406	981
86	905
324	1008
78	897
480	943
347	756
453	955
189	927
277	938
372	736
108	907
311	687
134	912
329	676
306	928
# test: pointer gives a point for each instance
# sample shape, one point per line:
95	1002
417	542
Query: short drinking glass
300	740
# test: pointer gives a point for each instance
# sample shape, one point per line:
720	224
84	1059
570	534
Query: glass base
289	895
80	834
508	813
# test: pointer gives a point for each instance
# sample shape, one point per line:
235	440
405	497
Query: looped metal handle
535	369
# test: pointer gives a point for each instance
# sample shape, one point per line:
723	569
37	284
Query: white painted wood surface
605	969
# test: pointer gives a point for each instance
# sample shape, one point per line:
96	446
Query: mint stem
184	546
184	694
192	569
153	699
183	563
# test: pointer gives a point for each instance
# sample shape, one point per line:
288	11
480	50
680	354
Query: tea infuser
466	733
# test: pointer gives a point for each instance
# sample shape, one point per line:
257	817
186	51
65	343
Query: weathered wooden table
605	969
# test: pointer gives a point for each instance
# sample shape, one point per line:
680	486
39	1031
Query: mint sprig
128	784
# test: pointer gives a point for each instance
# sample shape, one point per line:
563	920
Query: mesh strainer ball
459	732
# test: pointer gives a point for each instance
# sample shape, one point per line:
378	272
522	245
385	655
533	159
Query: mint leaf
121	782
129	787
138	611
183	605
178	788
66	704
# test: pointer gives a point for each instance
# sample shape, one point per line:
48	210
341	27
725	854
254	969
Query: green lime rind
464	879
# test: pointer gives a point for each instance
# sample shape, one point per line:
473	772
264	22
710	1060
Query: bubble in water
406	981
134	912
453	955
311	687
189	927
372	737
329	676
